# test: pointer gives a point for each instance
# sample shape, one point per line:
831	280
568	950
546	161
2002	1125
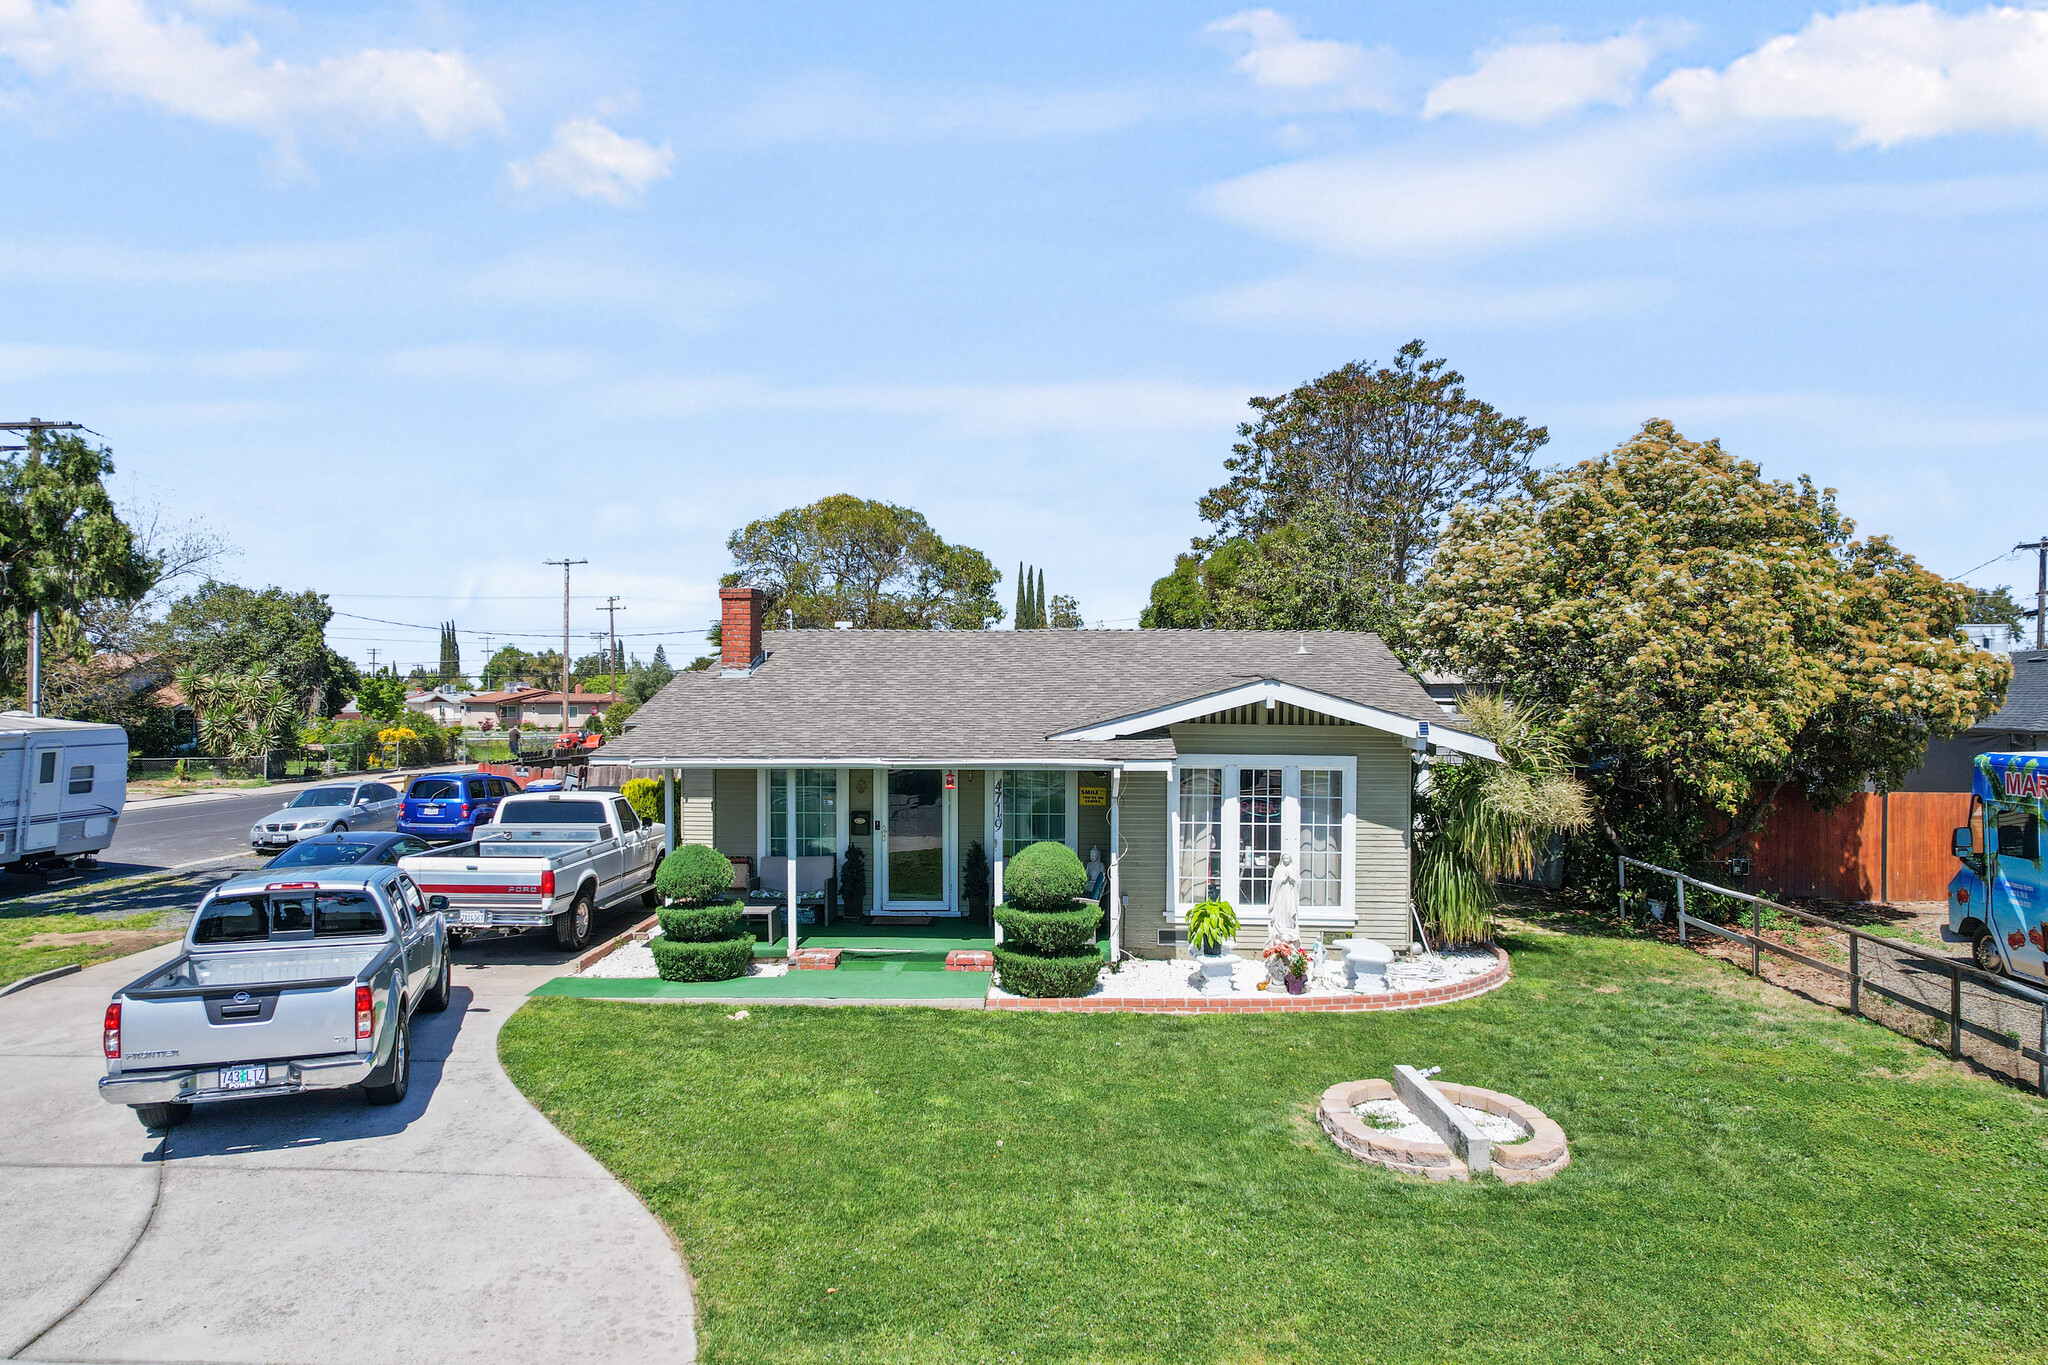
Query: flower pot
1297	985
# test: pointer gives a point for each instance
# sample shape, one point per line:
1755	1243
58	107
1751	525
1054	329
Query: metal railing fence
1968	1006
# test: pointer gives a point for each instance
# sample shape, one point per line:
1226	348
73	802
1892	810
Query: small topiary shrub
695	874
1046	976
719	961
1044	876
1049	932
701	923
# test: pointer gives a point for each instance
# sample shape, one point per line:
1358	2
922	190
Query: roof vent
1302	648
842	625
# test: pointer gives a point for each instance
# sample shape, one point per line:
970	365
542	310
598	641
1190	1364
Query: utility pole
2040	547
35	427
565	563
611	609
373	658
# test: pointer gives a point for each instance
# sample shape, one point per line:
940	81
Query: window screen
1034	809
1200	855
817	813
1322	837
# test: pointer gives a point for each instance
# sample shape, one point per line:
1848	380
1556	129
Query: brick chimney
740	628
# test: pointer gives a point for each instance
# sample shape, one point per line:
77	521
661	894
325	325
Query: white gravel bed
1397	1120
636	961
1149	978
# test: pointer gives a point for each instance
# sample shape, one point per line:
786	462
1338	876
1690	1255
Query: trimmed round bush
695	874
1046	976
720	961
1052	932
701	923
1044	876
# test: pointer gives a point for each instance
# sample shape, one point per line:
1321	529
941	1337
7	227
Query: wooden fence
1876	846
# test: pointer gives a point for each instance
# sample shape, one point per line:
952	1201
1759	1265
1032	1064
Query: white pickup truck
291	979
544	859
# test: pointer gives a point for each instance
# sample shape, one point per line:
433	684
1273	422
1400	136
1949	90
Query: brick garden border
1537	1157
1266	1003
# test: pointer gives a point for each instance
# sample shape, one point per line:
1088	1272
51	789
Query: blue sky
406	299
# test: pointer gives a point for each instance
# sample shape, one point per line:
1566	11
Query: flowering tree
1705	637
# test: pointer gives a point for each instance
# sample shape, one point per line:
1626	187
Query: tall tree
1021	618
1038	603
1066	614
224	629
875	564
451	653
1710	638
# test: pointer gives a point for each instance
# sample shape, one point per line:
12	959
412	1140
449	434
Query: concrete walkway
457	1226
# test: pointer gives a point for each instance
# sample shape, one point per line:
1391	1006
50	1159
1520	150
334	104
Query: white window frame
1343	915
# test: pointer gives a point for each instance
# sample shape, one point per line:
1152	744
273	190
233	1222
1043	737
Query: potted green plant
1212	934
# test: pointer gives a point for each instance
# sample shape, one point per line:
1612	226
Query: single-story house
1191	759
533	706
2021	725
444	705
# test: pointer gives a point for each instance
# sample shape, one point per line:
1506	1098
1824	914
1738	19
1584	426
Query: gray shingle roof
2026	699
964	697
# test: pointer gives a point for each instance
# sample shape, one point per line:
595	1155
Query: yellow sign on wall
1094	796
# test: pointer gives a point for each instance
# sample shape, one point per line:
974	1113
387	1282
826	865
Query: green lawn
36	943
1753	1178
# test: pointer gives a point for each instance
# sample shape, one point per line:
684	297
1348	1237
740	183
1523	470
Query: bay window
1233	818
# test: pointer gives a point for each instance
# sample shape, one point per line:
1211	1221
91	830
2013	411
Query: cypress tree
1038	604
1020	618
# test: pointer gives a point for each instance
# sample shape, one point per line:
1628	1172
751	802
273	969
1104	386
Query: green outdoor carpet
877	979
939	936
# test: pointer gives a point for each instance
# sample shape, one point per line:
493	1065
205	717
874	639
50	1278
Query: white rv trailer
62	786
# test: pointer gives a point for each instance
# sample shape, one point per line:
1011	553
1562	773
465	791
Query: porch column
1116	858
992	792
789	844
668	811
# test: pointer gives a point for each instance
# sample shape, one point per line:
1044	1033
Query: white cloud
1428	204
843	108
1532	83
1275	57
1890	73
127	49
591	161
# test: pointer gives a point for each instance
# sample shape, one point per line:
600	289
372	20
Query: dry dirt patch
122	941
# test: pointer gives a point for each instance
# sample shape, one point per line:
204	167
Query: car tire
572	926
436	998
398	1071
1984	954
338	829
162	1116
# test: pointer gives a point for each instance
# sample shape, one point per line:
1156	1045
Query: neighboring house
2021	724
445	705
533	706
1192	759
1995	636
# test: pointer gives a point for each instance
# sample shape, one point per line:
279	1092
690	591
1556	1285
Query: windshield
327	914
435	789
319	855
323	796
551	813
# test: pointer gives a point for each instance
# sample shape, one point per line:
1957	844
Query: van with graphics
1998	900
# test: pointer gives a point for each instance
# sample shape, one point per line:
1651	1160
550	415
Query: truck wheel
398	1070
572	926
1984	954
162	1115
436	998
650	896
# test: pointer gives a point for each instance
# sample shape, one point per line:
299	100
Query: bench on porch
816	879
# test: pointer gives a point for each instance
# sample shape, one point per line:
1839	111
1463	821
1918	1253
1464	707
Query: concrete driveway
457	1226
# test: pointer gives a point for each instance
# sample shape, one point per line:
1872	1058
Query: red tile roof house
1196	756
531	706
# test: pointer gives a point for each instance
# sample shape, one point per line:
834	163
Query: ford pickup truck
290	980
546	859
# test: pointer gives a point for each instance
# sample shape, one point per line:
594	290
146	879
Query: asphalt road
189	829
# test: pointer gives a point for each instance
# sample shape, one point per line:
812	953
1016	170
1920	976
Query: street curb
38	978
138	882
607	948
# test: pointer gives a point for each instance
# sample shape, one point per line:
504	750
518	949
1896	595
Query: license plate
476	917
425	811
244	1077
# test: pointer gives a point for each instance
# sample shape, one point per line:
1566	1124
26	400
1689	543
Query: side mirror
1964	845
437	903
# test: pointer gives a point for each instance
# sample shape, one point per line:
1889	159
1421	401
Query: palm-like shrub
1483	821
240	715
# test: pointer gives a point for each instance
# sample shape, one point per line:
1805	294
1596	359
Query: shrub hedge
643	794
719	961
1046	976
1050	932
701	923
1044	876
695	874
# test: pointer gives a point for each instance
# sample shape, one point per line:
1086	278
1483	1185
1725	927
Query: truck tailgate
243	1006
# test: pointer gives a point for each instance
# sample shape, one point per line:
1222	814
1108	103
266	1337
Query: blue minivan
451	805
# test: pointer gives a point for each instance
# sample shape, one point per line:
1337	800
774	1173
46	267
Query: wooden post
1855	978
1756	933
1621	891
1884	848
1955	1011
1681	911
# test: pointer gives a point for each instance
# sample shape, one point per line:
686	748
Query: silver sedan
329	808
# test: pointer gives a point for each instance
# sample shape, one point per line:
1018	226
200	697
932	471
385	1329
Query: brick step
970	960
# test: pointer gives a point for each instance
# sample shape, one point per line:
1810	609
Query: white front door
45	803
914	841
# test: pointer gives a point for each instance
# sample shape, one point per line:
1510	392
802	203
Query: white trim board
1271	692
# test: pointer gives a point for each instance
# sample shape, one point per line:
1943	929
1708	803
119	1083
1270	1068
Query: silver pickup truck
290	980
544	859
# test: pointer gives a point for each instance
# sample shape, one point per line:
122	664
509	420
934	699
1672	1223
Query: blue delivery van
1998	901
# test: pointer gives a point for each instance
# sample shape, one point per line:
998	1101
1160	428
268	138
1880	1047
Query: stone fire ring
1538	1157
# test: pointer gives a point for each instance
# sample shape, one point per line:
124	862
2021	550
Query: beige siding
696	819
1381	803
1142	872
734	811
